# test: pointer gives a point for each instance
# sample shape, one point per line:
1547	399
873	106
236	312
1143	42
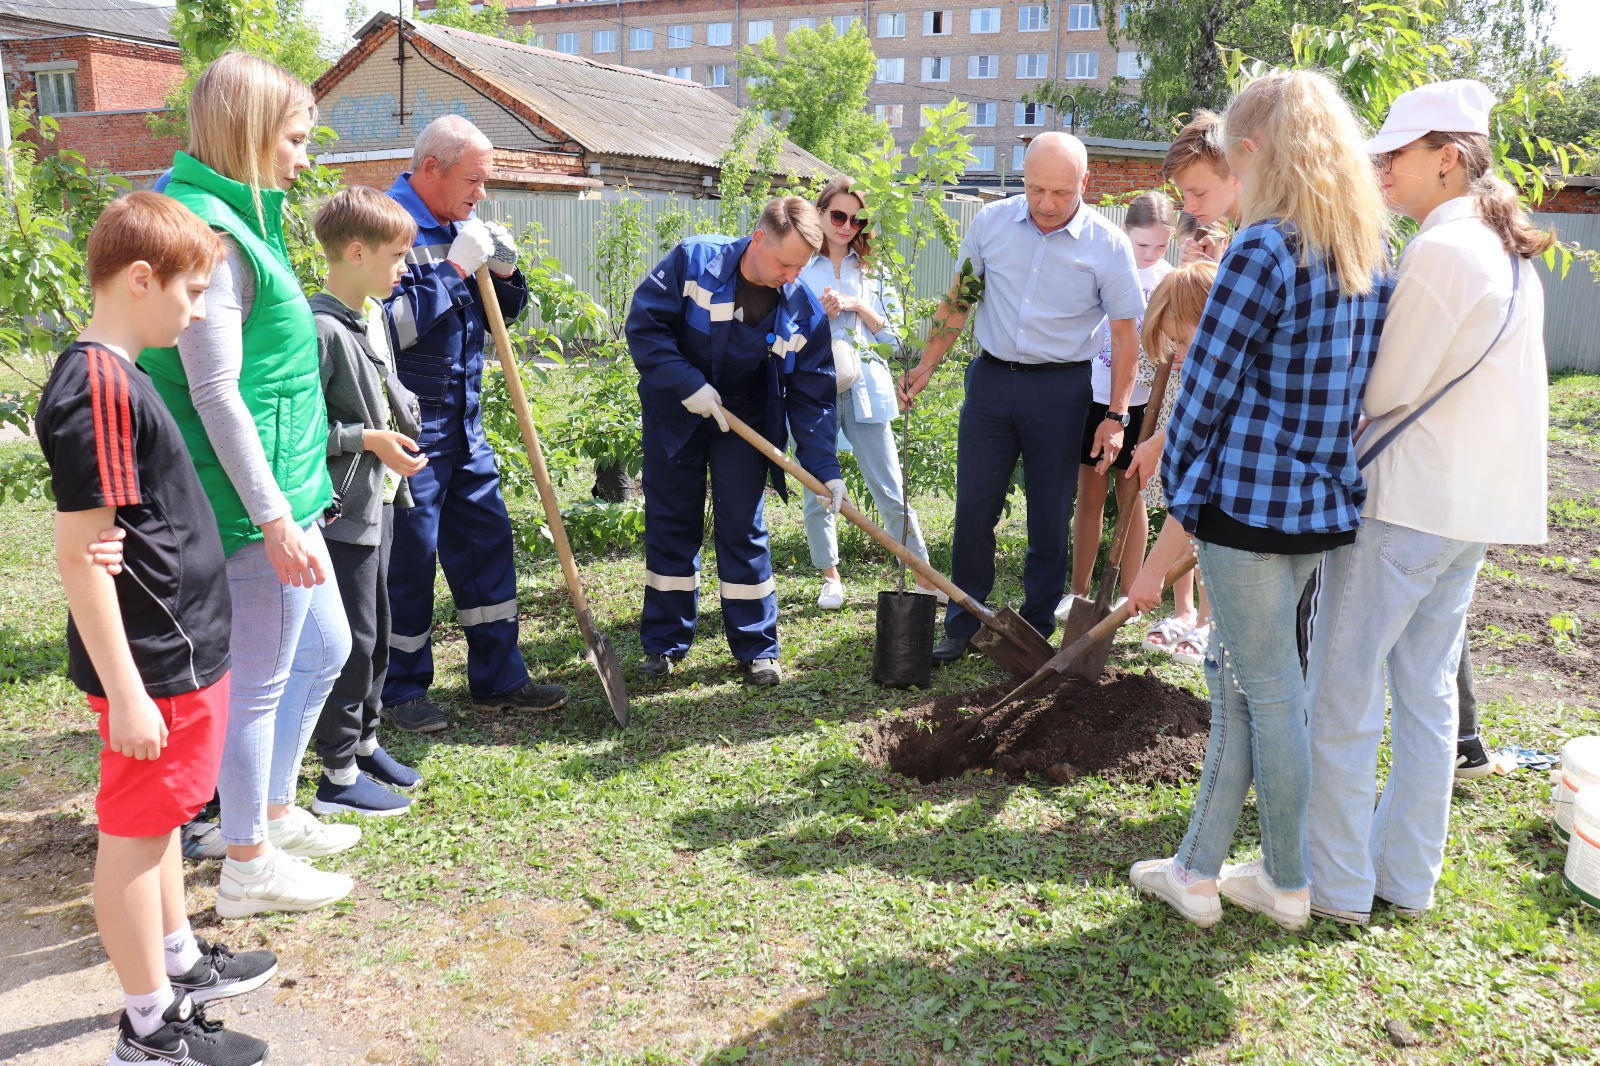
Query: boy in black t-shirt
146	641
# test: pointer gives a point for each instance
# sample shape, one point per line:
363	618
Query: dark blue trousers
674	515
1009	415
460	519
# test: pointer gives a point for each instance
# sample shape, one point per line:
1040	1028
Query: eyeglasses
839	218
1385	160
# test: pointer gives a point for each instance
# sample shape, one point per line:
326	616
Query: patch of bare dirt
1126	725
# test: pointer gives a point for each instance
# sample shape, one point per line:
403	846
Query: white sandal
1199	639
1169	630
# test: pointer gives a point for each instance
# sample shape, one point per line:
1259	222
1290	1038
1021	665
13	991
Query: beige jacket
1473	467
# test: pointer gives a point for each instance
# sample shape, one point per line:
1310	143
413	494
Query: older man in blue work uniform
725	323
1053	270
437	317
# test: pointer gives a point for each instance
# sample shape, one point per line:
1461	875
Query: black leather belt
1020	368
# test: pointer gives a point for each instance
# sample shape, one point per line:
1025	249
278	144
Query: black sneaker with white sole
221	973
1472	761
188	1038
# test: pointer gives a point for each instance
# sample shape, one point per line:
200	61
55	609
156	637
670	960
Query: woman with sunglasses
861	307
1454	459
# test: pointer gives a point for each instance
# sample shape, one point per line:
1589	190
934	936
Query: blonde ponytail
1497	201
1310	170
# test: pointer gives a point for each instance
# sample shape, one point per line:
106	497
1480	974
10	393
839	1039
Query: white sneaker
287	884
1248	885
940	595
301	835
1154	876
831	598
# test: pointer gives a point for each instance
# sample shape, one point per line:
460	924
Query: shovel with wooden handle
1085	658
1083	613
1012	643
597	646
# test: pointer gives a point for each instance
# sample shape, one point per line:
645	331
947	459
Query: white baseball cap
1460	106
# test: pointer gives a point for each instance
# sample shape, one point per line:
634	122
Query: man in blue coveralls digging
725	323
437	316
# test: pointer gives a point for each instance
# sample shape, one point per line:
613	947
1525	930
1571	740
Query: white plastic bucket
1580	768
1582	873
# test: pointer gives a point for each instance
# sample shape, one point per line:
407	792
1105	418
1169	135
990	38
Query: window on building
891	70
719	34
680	36
892	114
568	43
1083	17
718	77
796	24
686	73
1017	153
926	113
1033	18
936	23
1030	114
1033	64
641	40
759	30
1128	8
605	40
983	114
842	24
982	157
892	24
936	68
57	91
1080	65
1130	65
983	66
985	20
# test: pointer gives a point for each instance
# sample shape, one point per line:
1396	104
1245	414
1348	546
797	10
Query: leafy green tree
490	19
1112	111
818	91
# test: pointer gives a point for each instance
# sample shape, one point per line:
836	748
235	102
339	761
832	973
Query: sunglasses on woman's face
839	218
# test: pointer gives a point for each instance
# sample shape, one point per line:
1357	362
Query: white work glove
472	247
836	487
504	261
707	403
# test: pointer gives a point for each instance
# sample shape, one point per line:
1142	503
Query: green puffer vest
280	381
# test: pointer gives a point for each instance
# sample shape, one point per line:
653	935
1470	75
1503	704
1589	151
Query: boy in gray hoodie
372	428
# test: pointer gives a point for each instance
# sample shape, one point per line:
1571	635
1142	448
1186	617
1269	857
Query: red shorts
151	797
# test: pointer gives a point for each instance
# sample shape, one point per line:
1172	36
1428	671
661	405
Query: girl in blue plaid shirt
1260	471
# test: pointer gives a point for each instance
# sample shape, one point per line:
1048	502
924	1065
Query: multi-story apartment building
988	53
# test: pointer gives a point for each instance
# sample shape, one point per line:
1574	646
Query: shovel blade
1081	617
1010	642
603	657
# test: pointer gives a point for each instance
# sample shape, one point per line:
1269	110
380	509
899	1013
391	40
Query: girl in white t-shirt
1149	227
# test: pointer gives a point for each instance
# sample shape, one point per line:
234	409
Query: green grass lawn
728	880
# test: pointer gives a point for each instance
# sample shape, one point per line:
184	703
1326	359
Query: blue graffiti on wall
371	119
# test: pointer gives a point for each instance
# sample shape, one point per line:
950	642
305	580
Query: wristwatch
1118	416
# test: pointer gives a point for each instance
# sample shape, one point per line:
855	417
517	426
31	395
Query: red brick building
101	69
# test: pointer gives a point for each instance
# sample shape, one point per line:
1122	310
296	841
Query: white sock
252	868
144	1012
181	950
343	776
367	745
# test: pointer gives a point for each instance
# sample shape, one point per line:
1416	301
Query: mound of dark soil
1126	725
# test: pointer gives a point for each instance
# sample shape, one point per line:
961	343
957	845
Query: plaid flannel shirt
1265	415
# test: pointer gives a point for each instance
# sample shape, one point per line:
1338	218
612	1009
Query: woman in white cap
1454	459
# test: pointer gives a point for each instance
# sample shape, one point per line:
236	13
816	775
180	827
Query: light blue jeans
873	445
1258	714
288	646
1393	602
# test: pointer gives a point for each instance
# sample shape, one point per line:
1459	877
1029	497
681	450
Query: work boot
419	715
950	649
763	673
530	697
658	666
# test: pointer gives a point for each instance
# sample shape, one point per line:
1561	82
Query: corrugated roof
116	18
609	110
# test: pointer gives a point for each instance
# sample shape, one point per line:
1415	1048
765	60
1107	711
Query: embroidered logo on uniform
659	277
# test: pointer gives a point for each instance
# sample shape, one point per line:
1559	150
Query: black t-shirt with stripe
111	442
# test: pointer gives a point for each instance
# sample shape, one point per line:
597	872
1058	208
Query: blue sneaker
388	771
366	797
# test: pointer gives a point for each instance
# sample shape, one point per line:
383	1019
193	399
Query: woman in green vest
244	388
